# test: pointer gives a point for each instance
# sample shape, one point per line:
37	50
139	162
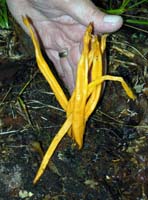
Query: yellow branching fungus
86	93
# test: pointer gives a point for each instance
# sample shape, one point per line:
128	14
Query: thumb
84	11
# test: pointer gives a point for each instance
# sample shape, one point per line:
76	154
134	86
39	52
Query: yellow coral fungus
86	93
45	69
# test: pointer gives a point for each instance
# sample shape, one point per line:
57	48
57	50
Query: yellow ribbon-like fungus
87	91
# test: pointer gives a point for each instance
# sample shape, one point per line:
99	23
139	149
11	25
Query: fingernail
112	19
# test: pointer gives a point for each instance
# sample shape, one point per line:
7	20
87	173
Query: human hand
60	25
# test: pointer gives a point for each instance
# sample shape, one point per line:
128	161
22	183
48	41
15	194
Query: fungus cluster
87	90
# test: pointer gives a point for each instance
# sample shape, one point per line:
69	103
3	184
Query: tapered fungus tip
80	146
25	20
90	27
38	175
35	181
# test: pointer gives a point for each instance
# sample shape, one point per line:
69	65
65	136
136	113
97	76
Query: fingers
73	58
68	74
64	69
84	11
53	55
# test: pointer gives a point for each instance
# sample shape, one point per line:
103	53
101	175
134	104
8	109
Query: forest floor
113	163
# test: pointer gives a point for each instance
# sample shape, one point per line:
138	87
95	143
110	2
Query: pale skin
61	24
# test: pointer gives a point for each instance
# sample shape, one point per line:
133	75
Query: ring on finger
63	53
